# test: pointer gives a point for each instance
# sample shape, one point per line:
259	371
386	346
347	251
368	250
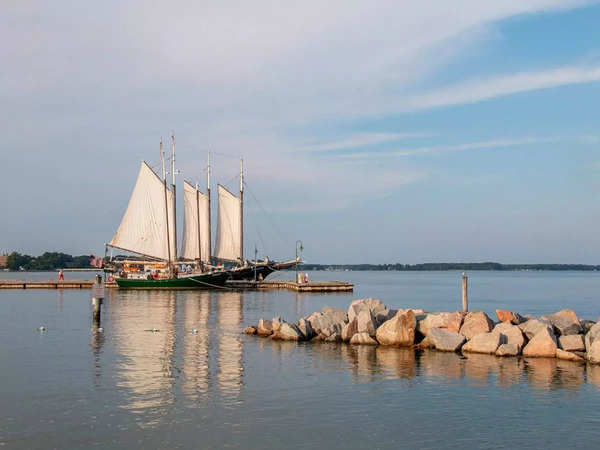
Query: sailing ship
149	229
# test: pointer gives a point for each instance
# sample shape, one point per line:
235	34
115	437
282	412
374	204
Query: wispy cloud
472	91
480	145
362	140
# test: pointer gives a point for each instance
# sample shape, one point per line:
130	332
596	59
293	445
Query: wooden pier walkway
313	286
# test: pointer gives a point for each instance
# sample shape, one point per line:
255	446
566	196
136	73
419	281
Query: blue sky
438	131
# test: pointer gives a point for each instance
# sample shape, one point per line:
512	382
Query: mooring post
465	299
97	298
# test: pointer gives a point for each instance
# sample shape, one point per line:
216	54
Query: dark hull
203	281
248	273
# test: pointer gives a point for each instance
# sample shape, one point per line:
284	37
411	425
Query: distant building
3	261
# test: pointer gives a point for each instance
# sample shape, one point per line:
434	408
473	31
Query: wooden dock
313	286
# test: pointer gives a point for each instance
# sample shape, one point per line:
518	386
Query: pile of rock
369	322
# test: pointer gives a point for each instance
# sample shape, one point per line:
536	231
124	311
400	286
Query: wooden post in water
465	299
97	310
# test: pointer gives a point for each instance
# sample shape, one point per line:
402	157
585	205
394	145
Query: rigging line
283	237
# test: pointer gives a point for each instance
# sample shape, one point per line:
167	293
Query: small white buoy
154	330
42	328
194	331
100	330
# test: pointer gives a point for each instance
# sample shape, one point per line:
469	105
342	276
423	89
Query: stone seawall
368	321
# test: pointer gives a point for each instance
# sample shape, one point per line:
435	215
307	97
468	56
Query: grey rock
483	343
591	336
533	326
586	325
593	353
366	322
444	340
508	350
334	337
572	343
376	307
565	322
306	329
287	332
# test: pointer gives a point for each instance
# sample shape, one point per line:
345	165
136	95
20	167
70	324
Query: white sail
143	228
195	220
229	233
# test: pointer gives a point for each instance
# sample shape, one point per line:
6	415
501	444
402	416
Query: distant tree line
450	266
47	261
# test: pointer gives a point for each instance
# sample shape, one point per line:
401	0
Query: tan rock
374	306
265	327
568	356
542	344
399	330
483	343
444	340
593	353
306	329
592	335
334	337
287	332
508	350
512	334
363	339
533	326
250	330
365	322
475	322
447	320
509	316
572	343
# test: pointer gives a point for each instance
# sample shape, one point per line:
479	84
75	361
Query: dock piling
465	300
97	310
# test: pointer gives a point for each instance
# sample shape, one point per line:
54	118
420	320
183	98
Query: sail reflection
195	363
145	369
229	375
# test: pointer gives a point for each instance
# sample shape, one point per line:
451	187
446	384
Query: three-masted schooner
149	228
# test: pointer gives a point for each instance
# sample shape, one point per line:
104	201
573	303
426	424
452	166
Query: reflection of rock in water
195	361
441	364
593	375
540	372
145	370
397	362
229	375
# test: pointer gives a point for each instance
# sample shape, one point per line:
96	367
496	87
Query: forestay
143	228
229	233
195	221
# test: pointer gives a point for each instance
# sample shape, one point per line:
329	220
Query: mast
174	194
198	222
164	173
242	211
209	215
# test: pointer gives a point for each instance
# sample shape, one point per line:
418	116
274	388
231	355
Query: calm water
128	387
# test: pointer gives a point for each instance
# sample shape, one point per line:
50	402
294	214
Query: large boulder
593	353
591	336
265	327
349	330
542	344
337	315
566	322
572	343
475	322
586	325
306	329
509	316
444	340
483	343
376	307
287	332
447	320
507	350
276	322
328	322
568	356
512	334
363	339
399	330
533	326
366	323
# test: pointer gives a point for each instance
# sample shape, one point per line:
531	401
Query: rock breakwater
369	321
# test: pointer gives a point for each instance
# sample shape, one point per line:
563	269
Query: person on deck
61	275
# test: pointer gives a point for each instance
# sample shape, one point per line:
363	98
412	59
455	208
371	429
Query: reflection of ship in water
230	371
195	364
194	330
